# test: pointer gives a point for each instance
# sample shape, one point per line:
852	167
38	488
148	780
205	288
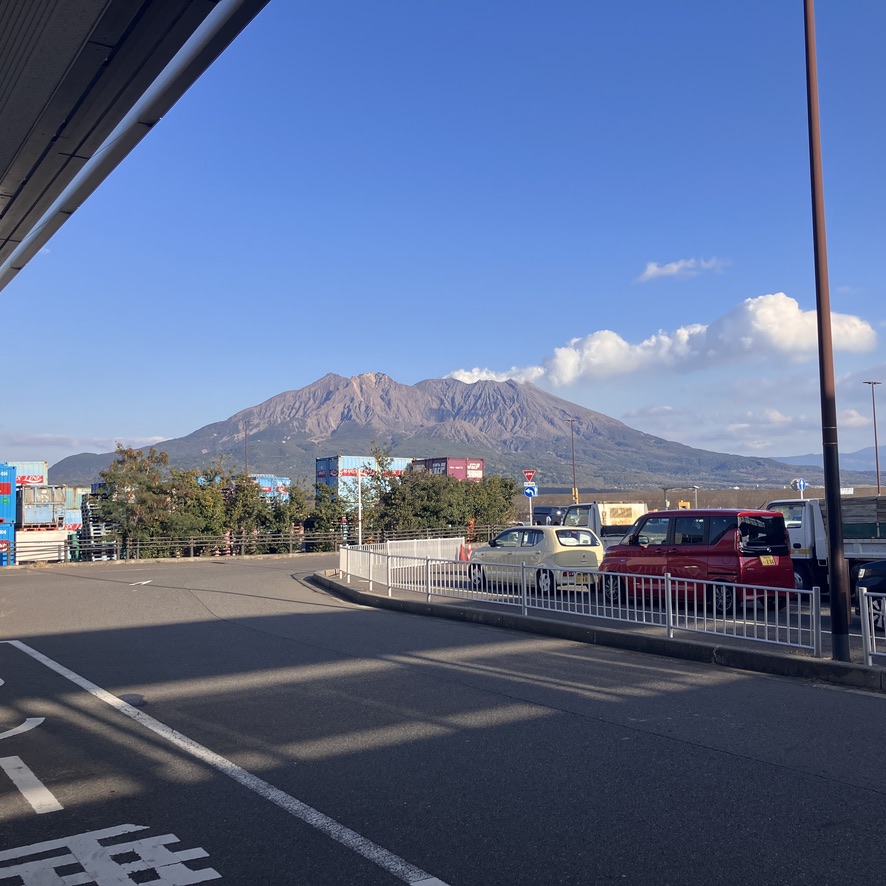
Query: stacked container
7	515
31	473
40	507
7	493
341	471
271	486
460	468
7	544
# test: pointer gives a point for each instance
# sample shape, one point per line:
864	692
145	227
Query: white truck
609	519
864	534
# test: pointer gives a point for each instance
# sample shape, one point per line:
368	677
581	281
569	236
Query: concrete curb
839	673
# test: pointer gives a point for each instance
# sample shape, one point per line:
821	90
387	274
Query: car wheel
476	578
611	588
721	598
546	584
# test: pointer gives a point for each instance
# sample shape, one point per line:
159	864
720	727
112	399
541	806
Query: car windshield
793	514
573	537
576	516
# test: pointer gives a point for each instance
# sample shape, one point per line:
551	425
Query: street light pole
695	490
876	446
246	424
574	484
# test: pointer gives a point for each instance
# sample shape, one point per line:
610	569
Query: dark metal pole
876	445
246	447
838	572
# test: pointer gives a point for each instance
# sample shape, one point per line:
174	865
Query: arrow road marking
27	726
33	790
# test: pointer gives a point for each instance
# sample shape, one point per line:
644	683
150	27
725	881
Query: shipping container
460	468
40	506
74	495
41	545
341	471
271	486
7	544
31	473
73	519
7	493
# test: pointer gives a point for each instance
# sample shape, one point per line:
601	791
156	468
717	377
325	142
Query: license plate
767	560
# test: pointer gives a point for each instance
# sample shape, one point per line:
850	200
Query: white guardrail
778	616
873	625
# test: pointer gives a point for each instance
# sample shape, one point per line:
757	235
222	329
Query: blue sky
609	198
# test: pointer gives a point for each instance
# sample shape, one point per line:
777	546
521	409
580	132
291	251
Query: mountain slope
512	426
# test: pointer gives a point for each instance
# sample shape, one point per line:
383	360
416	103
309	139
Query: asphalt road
229	721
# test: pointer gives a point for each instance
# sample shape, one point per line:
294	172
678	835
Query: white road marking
136	583
104	863
378	855
32	789
27	726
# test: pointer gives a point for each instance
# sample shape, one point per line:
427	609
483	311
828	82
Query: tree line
144	497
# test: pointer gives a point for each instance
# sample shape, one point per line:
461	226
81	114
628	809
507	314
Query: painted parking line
32	789
378	855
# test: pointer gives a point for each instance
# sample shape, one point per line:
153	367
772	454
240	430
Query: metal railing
873	625
109	546
776	616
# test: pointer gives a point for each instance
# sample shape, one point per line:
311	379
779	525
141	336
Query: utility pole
838	571
246	424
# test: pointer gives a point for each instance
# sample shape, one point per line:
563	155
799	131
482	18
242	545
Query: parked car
712	550
872	577
547	515
557	555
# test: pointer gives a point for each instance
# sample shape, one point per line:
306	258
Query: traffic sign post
530	490
799	485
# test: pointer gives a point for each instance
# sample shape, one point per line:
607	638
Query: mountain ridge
510	425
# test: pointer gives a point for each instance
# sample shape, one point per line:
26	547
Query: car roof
713	512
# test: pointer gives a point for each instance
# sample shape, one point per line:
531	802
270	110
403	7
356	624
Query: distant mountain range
512	426
860	460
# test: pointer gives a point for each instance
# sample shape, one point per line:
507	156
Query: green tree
137	498
246	510
197	501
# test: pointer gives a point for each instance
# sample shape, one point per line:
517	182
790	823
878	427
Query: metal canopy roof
70	73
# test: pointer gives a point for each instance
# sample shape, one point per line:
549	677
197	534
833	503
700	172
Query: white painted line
33	790
135	583
380	856
27	726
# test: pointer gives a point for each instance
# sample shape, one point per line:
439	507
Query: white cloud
852	418
530	373
684	267
761	327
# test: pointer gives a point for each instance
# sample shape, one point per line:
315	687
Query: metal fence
776	616
52	548
873	625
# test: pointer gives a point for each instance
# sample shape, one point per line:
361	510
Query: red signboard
529	475
30	479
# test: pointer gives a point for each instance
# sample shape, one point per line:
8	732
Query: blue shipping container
341	471
7	493
7	544
74	495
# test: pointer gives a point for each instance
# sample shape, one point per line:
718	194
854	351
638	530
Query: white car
557	555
